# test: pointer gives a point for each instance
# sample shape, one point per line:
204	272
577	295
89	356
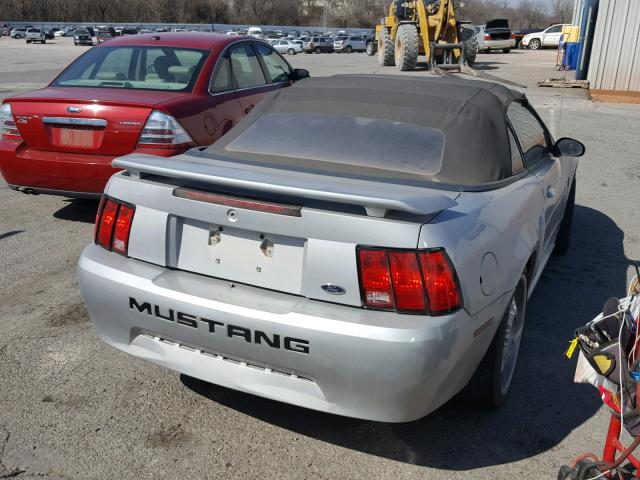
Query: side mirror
569	147
299	74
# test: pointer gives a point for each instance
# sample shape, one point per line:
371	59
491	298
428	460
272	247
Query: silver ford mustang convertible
358	245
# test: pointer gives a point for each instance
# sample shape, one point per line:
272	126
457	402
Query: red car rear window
135	67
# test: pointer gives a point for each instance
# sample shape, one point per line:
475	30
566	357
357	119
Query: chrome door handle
551	192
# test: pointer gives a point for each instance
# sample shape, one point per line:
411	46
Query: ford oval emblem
74	109
333	289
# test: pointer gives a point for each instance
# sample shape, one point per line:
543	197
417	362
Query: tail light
408	281
113	225
513	35
163	131
487	37
8	128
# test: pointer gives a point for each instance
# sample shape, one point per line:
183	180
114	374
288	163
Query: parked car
82	37
33	35
335	273
495	35
128	31
19	32
50	34
133	93
4	30
549	37
70	33
317	45
287	46
103	35
353	43
519	35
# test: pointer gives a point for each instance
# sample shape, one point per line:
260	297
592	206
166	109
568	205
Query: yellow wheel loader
424	27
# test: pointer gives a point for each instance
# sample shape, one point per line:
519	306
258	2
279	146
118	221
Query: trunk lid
498	29
275	229
72	120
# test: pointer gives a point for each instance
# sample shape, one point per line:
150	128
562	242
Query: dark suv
318	45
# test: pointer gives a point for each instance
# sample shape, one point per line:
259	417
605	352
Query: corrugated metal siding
615	55
578	7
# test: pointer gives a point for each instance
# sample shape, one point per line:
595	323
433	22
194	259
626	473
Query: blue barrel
572	54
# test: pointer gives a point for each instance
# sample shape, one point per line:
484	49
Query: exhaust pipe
27	191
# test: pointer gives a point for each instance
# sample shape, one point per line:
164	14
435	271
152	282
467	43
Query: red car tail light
8	127
487	37
408	281
113	225
375	279
440	281
163	131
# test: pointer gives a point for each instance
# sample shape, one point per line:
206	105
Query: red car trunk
71	120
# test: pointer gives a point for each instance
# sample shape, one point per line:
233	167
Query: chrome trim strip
85	122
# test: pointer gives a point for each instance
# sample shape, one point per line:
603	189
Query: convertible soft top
404	129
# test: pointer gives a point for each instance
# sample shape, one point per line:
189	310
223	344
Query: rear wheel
385	49
318	50
406	47
371	51
506	50
43	41
491	381
348	49
470	39
535	44
291	51
564	232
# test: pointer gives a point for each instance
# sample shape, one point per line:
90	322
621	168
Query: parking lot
73	407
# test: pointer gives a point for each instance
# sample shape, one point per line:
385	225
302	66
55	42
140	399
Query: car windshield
135	67
341	142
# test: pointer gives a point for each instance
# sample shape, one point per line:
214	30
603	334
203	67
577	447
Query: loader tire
470	40
385	49
406	47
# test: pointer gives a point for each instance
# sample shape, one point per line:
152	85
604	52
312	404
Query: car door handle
551	192
248	109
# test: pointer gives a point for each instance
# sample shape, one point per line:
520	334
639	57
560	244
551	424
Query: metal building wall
615	54
578	7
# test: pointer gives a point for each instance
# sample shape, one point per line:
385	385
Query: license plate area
245	256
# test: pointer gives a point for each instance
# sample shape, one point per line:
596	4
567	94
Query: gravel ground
72	407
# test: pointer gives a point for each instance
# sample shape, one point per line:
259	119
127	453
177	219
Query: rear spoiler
376	197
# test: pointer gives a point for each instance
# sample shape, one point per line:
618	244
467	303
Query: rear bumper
343	360
498	44
61	173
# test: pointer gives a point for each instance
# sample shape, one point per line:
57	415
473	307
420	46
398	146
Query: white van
255	32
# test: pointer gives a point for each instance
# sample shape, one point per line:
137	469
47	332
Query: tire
348	49
534	44
18	36
28	42
291	51
386	57
43	41
371	49
406	47
564	232
470	39
318	50
506	50
490	383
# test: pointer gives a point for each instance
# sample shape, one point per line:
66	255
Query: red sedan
158	94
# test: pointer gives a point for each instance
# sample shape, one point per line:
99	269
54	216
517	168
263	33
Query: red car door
251	81
225	108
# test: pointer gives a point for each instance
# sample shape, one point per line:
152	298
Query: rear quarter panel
504	222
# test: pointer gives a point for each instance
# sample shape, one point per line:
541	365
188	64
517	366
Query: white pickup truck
35	35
